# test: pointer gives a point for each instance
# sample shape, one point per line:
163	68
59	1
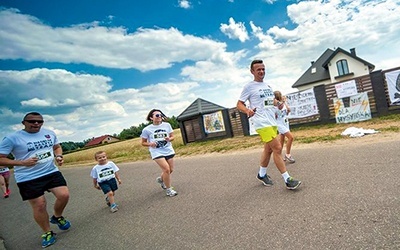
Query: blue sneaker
48	239
61	222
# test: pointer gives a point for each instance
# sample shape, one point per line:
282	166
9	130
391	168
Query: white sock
285	176
262	172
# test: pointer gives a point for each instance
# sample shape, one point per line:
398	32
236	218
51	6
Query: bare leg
166	171
40	212
289	142
62	197
276	148
3	184
110	196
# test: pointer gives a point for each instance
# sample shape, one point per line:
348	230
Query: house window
343	68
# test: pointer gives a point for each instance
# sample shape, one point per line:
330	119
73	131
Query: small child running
105	176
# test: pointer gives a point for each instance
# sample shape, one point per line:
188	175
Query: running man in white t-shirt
262	107
36	150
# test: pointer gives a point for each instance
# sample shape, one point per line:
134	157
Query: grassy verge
131	150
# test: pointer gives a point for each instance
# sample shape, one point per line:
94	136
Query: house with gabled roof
333	66
204	120
101	140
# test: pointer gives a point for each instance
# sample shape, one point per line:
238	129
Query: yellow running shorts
267	134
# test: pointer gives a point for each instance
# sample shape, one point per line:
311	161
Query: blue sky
98	67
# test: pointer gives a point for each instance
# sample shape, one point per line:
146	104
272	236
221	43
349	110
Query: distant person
105	176
35	149
5	181
262	108
283	126
158	137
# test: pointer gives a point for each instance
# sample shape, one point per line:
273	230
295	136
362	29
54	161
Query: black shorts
166	157
35	188
109	185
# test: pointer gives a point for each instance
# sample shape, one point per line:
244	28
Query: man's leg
276	148
40	212
62	196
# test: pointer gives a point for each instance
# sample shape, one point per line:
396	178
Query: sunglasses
157	115
34	121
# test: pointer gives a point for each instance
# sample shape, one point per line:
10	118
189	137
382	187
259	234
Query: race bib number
268	103
44	156
105	174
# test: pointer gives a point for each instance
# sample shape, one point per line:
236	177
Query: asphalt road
349	199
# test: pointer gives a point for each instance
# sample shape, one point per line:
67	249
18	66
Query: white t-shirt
260	96
104	172
23	145
157	134
282	120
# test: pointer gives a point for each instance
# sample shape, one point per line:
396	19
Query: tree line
125	134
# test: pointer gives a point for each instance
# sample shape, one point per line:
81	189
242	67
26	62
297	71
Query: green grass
132	150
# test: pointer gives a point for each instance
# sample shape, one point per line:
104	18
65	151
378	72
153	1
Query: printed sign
214	122
346	89
352	109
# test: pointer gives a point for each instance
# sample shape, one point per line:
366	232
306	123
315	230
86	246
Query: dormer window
313	70
342	67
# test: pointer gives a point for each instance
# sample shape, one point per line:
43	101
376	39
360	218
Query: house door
193	130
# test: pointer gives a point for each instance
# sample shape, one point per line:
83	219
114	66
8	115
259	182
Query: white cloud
185	4
372	27
27	38
235	30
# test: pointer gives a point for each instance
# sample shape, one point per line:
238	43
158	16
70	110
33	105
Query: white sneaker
290	159
171	192
160	181
114	208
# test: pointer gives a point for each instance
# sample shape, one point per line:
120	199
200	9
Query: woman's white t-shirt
157	134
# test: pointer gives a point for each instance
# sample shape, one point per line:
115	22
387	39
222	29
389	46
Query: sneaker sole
265	184
293	188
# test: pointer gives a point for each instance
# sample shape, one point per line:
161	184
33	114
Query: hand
30	162
119	181
152	144
250	112
97	187
59	160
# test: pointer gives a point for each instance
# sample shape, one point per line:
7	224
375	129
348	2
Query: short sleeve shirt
157	134
104	172
23	145
261	97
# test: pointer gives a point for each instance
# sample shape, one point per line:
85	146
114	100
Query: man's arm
4	161
241	106
58	154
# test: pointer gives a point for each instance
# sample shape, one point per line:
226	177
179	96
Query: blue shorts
109	185
35	188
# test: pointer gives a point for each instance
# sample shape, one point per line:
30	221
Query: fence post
378	88
322	103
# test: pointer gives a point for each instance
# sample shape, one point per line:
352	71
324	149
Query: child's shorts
109	185
267	134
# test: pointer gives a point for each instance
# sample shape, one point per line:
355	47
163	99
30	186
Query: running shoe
266	181
160	181
48	239
114	208
61	222
292	183
289	159
171	192
5	195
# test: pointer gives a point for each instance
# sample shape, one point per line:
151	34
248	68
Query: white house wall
308	86
355	66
